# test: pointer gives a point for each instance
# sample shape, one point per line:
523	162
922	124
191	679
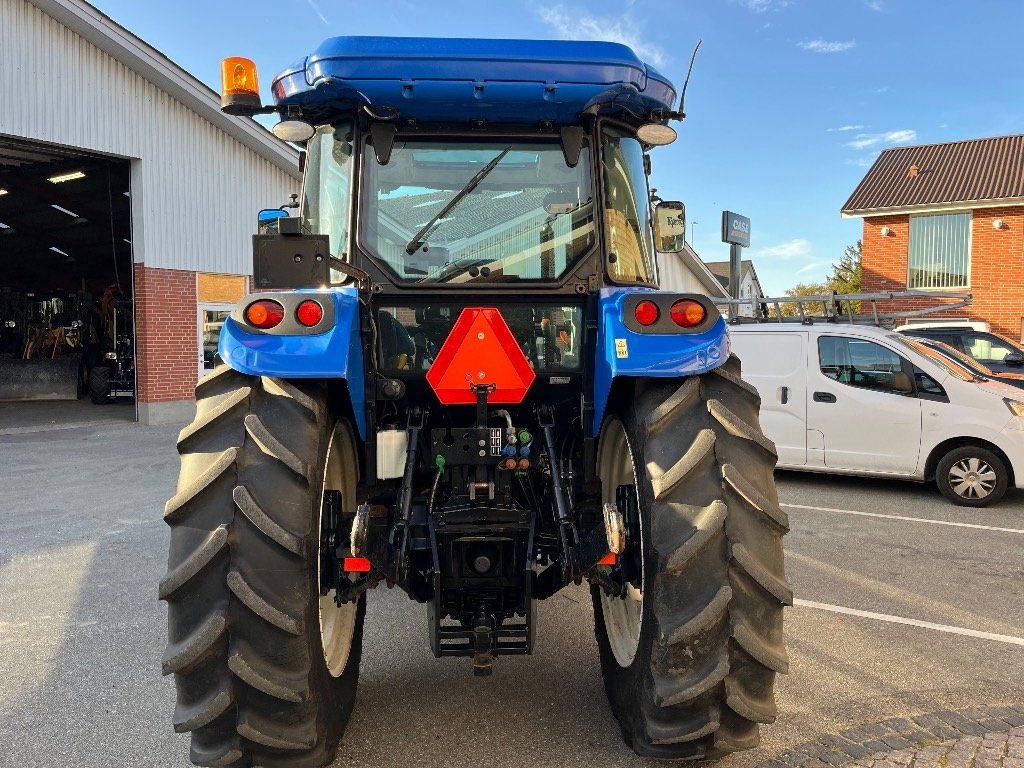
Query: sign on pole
735	229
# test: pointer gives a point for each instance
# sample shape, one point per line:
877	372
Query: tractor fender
294	352
622	351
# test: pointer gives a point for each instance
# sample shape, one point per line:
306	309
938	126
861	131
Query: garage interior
66	300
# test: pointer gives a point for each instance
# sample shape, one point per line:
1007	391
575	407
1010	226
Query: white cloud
843	128
762	6
575	25
883	89
316	9
865	140
827	46
874	5
809	267
796	248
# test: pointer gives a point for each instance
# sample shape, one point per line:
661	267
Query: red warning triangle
480	350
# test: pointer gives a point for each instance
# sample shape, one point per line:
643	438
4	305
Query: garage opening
67	315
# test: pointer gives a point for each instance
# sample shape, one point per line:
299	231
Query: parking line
911	622
902	517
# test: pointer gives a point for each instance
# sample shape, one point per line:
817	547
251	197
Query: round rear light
309	313
646	312
264	313
688	313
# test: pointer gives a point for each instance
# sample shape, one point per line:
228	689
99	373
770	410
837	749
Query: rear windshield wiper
420	237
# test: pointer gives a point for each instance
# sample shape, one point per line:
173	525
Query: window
987	347
460	210
940	251
627	212
927	385
326	193
861	363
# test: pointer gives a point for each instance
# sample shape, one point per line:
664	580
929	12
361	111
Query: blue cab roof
455	79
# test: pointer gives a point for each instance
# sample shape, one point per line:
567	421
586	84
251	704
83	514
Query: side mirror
1014	358
267	220
669	227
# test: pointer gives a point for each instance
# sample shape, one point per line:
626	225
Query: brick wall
166	334
997	267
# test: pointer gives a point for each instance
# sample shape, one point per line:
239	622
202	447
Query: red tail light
264	313
309	313
646	313
688	313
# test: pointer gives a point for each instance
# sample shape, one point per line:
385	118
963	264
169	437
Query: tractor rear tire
99	385
689	659
265	669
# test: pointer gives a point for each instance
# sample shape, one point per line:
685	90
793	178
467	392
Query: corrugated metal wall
196	189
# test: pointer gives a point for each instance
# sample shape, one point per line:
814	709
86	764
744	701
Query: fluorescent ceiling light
3	191
66	177
64	210
55	249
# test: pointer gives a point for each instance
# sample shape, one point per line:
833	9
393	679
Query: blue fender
623	352
334	354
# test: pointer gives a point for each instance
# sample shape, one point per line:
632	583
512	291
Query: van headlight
1016	406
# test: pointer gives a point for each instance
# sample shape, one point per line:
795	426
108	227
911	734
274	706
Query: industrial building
127	202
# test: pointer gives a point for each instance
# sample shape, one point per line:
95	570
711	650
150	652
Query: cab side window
863	364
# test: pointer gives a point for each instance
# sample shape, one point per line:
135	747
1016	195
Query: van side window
862	363
926	385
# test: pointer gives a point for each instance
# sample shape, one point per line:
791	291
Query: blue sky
789	103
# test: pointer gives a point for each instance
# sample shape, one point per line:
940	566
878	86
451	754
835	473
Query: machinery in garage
66	310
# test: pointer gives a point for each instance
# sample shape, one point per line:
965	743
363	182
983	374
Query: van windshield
949	365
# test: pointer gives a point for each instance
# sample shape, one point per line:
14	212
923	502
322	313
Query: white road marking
911	622
902	517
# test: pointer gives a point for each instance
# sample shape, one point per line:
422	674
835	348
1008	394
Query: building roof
116	41
958	174
720	269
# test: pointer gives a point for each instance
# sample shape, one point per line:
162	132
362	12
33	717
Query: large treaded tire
710	641
99	385
244	639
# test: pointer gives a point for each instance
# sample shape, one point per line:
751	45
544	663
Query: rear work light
686	313
309	313
264	314
646	313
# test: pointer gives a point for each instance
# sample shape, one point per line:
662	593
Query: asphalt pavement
906	606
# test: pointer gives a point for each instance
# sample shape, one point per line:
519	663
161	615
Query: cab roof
458	80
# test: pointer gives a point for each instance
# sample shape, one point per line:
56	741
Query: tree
845	278
803	289
846	274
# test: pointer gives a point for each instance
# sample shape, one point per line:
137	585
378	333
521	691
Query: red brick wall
166	334
997	266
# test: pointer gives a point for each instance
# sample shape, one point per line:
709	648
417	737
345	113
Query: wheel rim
623	616
337	622
972	478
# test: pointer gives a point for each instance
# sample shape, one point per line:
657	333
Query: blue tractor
460	379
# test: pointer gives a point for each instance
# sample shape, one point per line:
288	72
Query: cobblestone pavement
991	737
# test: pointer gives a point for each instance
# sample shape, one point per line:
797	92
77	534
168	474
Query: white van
861	400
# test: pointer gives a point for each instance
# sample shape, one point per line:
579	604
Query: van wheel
972	476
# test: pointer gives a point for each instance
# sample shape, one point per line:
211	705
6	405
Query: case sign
735	229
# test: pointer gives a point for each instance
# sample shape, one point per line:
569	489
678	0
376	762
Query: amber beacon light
240	88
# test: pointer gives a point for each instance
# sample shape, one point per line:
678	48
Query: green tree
846	275
803	289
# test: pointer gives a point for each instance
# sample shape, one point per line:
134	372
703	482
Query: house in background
948	217
750	286
684	272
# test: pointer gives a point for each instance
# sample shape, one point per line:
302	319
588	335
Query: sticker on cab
621	349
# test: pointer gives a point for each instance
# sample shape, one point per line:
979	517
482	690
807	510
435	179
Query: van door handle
783	395
824	397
